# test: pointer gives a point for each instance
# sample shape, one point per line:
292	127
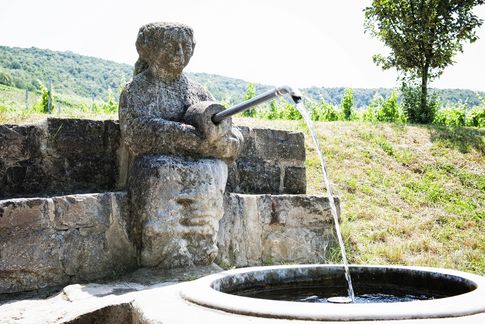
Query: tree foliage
423	35
250	93
348	104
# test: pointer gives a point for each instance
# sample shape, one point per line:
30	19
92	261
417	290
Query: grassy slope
12	106
411	195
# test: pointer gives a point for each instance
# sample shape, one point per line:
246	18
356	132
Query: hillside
83	76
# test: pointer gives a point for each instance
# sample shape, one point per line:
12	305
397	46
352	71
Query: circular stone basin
301	292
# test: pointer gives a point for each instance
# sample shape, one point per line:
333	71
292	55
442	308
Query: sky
301	43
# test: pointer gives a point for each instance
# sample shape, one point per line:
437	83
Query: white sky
297	42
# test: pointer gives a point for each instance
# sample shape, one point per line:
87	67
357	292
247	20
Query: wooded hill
85	76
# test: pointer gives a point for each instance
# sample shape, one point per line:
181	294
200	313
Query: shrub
348	104
5	77
370	113
324	111
411	105
476	117
288	111
111	106
268	111
450	116
250	93
389	109
42	106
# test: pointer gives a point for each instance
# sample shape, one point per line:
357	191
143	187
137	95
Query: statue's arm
145	134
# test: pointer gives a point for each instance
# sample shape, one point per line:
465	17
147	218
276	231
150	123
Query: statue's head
164	48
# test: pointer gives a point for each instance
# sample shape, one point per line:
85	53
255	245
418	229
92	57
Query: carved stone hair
151	37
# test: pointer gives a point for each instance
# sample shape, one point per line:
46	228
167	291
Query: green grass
411	195
13	108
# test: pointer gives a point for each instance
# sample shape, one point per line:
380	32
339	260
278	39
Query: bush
42	106
288	111
384	110
111	106
5	77
411	105
476	117
324	111
389	109
269	112
348	104
370	113
450	116
250	93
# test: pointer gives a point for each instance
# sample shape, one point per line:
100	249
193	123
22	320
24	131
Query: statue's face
175	52
185	206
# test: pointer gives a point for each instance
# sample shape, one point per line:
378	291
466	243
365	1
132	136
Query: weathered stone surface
271	161
30	214
75	156
176	207
294	180
81	155
21	160
58	156
279	145
154	104
258	177
262	229
52	241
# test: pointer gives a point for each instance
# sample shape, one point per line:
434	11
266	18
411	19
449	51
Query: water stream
333	208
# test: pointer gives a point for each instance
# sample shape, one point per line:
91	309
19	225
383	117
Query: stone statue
177	175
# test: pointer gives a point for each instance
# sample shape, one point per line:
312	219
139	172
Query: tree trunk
424	116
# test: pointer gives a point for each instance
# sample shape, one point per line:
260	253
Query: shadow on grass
461	138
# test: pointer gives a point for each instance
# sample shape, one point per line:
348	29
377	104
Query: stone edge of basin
201	292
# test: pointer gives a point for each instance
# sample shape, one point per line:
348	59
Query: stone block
300	211
274	229
294	180
240	232
277	145
30	259
255	176
248	149
80	138
296	245
46	242
82	211
21	172
25	214
82	155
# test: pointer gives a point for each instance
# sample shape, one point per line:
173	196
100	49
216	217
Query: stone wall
66	234
58	156
65	156
271	162
46	242
274	229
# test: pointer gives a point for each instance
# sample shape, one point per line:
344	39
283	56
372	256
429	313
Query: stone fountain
127	214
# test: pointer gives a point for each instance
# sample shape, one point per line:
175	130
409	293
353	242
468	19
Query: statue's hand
231	144
200	115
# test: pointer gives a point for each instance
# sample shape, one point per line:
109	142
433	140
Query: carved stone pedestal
177	203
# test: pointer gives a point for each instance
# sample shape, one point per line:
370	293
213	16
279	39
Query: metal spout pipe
265	96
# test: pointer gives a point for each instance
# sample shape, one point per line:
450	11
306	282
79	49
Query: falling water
306	116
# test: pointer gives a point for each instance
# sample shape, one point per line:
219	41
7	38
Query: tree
348	103
250	93
5	77
423	36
